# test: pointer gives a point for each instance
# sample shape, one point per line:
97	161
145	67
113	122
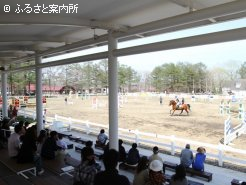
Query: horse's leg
181	111
173	112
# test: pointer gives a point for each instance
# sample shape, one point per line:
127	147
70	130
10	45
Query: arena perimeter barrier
171	143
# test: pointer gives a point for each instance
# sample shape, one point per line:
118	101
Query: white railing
169	143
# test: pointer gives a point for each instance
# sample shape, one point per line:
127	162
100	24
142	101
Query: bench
78	148
190	182
236	182
127	167
191	171
65	134
74	138
99	146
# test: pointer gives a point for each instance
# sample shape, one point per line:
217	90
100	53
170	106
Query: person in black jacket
28	151
110	176
133	155
50	147
122	152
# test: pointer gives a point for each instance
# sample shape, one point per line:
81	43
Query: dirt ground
203	124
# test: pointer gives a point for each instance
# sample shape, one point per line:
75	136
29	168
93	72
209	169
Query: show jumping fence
170	144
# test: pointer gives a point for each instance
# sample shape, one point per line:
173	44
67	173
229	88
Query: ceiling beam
210	38
16	38
176	23
47	19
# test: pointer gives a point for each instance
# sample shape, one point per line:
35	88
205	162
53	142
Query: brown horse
182	107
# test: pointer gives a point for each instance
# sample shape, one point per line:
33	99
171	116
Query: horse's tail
189	106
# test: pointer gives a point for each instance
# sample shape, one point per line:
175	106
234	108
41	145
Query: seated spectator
86	171
10	110
62	144
40	140
26	124
142	173
50	147
155	156
156	176
14	112
88	144
5	126
102	138
110	176
198	163
28	150
186	156
133	155
179	178
122	151
14	142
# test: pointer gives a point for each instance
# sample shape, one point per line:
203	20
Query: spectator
50	147
10	110
156	176
14	142
86	171
28	150
198	163
155	156
133	155
122	151
62	144
179	178
142	173
110	176
26	124
14	112
186	156
88	144
102	138
40	140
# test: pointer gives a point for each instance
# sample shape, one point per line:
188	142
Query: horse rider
178	103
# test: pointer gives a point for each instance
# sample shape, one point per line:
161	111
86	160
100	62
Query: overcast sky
223	54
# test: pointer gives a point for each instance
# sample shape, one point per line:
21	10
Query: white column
113	93
4	94
39	94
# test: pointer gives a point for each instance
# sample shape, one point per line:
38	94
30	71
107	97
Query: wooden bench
78	148
19	169
236	182
190	182
99	146
191	171
65	134
127	167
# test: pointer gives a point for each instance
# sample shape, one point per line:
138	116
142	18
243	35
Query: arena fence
219	153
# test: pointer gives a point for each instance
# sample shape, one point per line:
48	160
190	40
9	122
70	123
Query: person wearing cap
198	163
156	176
186	156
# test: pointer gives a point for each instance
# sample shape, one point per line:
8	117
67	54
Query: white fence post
136	136
172	145
56	117
69	123
87	127
220	154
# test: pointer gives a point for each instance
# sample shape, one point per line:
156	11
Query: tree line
169	77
